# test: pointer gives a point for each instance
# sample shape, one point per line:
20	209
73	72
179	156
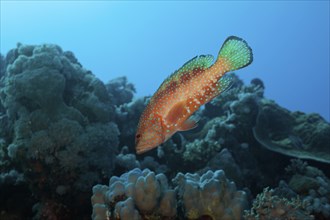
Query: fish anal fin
189	124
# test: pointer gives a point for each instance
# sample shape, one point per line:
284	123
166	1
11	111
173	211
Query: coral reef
305	136
224	161
127	117
226	121
11	178
136	194
306	185
313	187
209	195
200	150
120	90
57	128
2	65
141	194
268	207
126	161
15	196
62	131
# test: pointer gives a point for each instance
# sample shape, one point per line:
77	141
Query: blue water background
146	41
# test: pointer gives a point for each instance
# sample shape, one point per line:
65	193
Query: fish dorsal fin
201	62
189	124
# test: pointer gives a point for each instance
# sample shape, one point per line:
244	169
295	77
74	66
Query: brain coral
58	120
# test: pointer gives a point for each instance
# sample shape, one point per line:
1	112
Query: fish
197	82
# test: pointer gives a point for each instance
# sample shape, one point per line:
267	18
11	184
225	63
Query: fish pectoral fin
189	124
177	111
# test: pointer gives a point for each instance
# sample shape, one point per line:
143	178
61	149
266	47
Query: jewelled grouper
197	82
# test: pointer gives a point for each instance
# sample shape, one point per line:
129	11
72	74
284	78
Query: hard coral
121	90
143	195
57	123
211	194
296	134
269	207
136	194
127	117
2	65
313	187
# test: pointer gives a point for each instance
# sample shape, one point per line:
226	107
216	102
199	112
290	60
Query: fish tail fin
235	54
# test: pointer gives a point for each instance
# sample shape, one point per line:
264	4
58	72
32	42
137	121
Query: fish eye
138	135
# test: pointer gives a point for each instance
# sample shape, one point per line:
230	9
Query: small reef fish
197	82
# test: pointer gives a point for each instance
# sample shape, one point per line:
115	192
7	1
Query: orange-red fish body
190	87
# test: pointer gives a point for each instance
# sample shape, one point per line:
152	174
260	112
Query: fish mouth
141	149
